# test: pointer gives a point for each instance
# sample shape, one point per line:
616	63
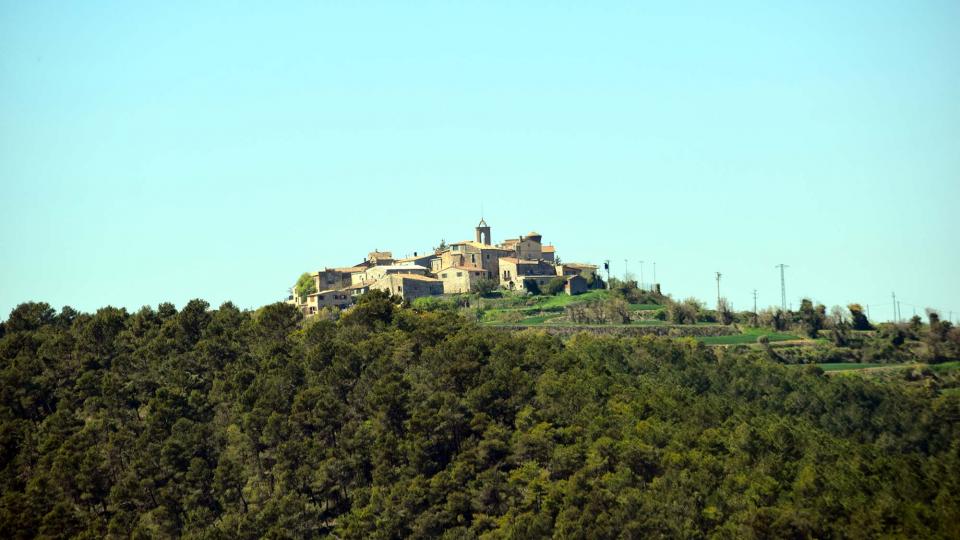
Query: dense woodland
397	422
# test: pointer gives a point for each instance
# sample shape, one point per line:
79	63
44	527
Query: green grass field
748	336
538	319
848	366
945	367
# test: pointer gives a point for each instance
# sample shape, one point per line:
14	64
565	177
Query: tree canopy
397	422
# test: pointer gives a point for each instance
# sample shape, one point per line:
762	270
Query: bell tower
483	232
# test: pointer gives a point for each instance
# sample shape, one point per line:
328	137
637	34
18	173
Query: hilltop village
523	263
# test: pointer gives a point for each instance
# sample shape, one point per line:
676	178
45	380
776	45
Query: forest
403	422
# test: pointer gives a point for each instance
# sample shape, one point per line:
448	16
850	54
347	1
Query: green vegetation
846	366
304	286
747	336
396	422
644	307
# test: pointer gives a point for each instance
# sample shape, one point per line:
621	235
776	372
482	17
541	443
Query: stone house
416	260
409	286
576	284
460	279
375	273
380	258
335	278
517	273
525	247
338	298
571	269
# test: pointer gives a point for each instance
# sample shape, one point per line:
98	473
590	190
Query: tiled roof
549	249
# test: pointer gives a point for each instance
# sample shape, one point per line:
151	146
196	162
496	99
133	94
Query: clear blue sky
163	151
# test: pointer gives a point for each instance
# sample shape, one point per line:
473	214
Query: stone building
516	263
416	260
516	273
335	278
380	258
375	273
576	284
525	247
409	286
460	279
578	269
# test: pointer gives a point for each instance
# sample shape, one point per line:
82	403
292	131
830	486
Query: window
459	274
443	275
473	258
320	297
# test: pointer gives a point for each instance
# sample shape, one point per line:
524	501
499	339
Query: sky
165	151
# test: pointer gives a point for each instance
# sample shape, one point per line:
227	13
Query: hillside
398	422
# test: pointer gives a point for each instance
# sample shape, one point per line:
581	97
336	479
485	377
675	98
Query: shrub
484	286
554	286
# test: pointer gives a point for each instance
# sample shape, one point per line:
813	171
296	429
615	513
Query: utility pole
868	311
895	318
654	272
641	275
718	290
783	288
899	311
755	307
606	266
625	271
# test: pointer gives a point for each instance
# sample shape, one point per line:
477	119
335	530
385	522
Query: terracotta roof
579	265
549	249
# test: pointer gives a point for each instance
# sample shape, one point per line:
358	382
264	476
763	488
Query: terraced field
749	336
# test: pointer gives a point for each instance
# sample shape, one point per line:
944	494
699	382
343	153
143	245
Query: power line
783	287
718	290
